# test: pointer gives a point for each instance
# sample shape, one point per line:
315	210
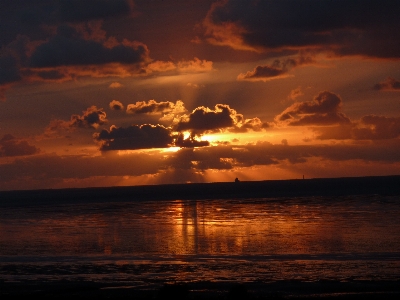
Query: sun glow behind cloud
217	92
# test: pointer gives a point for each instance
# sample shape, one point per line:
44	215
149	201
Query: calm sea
144	244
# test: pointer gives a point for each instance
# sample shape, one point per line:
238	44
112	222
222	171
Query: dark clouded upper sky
126	92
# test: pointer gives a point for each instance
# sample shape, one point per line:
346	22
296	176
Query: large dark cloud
11	146
222	118
203	119
347	27
134	137
324	109
26	16
69	47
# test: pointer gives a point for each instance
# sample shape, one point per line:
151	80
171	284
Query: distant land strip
382	185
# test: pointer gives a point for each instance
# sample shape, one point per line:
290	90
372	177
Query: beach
296	239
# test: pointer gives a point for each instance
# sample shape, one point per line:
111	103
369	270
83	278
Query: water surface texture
147	243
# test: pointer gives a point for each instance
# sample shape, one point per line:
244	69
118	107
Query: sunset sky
119	92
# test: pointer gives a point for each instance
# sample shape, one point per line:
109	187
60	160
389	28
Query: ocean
281	246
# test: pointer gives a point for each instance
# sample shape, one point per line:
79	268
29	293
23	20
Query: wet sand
204	290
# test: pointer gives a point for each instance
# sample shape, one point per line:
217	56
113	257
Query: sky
119	92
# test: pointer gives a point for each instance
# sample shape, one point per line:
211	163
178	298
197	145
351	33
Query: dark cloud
390	84
263	73
324	109
202	158
72	51
279	69
70	48
12	57
92	117
347	27
10	146
203	119
134	137
29	18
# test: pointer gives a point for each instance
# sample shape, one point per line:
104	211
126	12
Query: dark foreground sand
203	290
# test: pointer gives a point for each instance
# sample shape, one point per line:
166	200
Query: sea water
144	244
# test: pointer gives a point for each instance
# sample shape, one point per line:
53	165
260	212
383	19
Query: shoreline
382	185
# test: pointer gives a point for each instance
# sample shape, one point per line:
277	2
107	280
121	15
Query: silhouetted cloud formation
346	27
203	119
279	69
11	146
134	137
92	117
324	109
263	73
70	47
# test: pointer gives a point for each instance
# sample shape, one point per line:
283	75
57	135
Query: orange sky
118	92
